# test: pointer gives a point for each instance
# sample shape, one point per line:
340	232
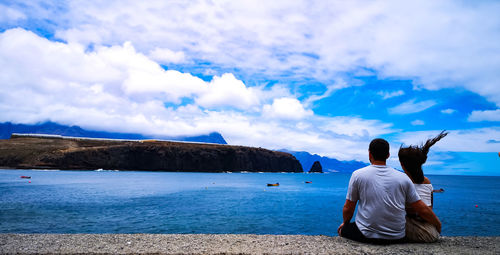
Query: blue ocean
236	203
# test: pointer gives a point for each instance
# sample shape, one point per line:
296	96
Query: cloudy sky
319	76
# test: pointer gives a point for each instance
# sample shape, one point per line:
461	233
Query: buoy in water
29	181
477	206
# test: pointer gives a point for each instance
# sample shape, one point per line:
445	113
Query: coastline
230	244
79	153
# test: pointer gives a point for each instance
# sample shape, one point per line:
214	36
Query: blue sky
319	76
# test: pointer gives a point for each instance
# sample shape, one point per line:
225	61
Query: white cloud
437	44
324	136
169	85
411	106
286	109
8	15
110	88
166	56
490	115
390	94
448	111
418	123
114	85
118	89
228	91
356	127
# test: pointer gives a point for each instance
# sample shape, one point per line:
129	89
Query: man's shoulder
363	171
399	174
387	170
402	178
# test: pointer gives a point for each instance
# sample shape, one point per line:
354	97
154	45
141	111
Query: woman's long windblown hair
413	157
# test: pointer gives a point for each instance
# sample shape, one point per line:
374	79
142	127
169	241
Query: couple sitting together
394	207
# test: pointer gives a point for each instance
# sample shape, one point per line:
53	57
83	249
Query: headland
73	153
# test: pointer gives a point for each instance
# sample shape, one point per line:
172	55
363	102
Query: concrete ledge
229	244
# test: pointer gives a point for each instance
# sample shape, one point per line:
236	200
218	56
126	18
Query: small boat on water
308	182
273	184
25	177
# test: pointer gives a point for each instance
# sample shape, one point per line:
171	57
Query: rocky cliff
150	155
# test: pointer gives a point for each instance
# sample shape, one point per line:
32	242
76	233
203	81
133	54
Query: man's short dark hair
379	148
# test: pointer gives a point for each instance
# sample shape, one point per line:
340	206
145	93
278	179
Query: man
382	193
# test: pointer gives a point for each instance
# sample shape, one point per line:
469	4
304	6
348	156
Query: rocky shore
52	152
229	244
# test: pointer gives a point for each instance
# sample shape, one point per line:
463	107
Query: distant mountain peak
52	128
328	164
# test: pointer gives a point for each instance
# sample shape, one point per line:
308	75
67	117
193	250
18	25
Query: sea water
236	203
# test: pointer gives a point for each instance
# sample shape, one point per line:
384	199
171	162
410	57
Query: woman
412	158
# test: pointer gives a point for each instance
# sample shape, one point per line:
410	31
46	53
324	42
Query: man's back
382	193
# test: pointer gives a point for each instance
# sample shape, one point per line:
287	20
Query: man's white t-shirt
382	193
